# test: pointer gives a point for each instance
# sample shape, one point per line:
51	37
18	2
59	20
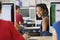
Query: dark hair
17	7
0	5
43	6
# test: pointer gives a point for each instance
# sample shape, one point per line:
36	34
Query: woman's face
40	11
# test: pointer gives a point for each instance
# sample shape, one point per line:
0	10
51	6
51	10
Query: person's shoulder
6	22
46	18
19	14
56	24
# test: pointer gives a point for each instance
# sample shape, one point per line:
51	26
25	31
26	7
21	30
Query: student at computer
19	18
42	12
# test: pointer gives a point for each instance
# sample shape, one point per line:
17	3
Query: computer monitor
28	12
25	11
32	12
8	11
54	12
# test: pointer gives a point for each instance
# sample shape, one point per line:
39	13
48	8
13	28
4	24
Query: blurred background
28	10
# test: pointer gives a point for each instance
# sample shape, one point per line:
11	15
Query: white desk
41	38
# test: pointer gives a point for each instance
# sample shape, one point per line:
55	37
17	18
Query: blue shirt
56	26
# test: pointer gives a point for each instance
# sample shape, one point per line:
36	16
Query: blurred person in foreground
56	31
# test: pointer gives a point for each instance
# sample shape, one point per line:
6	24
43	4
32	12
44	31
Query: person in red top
8	31
19	18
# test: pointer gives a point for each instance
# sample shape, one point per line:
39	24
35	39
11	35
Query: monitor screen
28	12
8	11
25	12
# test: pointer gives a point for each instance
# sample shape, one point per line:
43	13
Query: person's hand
26	36
19	26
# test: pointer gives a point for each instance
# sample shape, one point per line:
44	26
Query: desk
34	31
41	38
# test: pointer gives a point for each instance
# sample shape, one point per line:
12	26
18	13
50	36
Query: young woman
42	12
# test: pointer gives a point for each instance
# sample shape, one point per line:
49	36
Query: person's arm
45	23
21	19
54	34
19	26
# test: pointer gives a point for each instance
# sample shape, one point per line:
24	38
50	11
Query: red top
8	31
19	18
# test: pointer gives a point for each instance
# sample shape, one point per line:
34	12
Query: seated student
42	12
56	31
19	18
8	31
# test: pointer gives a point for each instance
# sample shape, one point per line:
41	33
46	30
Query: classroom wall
5	0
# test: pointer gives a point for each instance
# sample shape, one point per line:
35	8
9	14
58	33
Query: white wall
5	0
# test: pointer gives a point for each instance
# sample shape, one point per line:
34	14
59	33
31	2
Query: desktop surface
41	38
